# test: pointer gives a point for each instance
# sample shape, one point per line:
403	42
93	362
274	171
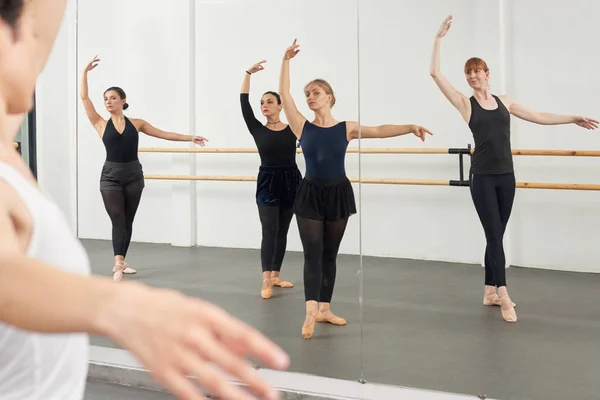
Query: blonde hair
325	86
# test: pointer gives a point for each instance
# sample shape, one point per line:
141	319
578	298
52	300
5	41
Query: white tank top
44	366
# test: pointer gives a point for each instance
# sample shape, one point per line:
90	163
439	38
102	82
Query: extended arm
148	129
457	99
294	117
520	111
384	131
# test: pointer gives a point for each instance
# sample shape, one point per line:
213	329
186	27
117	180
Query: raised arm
294	117
520	111
43	19
251	121
458	100
384	131
145	127
97	121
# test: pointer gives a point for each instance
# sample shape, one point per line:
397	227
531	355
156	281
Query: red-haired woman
492	179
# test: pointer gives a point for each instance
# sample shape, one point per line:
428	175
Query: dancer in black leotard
122	178
492	176
325	199
277	182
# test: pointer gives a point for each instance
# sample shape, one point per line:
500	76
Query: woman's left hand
420	132
586	123
199	140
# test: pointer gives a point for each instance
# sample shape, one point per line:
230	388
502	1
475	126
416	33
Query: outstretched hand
176	336
199	140
586	123
257	67
445	27
291	51
92	64
420	132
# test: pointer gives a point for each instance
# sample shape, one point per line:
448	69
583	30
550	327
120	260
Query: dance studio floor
424	324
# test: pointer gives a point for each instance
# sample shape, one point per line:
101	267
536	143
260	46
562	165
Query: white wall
545	71
144	48
55	120
247	33
182	68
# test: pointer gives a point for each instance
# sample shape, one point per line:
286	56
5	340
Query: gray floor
424	325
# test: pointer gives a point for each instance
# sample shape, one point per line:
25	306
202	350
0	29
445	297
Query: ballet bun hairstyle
119	91
323	84
475	63
10	12
274	94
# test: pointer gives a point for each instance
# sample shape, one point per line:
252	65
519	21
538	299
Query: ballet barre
467	150
380	181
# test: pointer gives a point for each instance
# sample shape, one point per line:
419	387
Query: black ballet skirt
277	186
329	200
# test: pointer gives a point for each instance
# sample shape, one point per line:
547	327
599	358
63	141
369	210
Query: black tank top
121	147
491	132
276	148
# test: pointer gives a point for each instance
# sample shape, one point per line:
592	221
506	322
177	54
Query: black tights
321	242
493	196
275	221
121	206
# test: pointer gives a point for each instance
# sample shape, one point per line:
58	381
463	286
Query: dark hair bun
125	106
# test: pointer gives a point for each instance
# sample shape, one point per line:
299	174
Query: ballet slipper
325	315
267	292
127	269
492	299
277	281
508	314
118	271
308	330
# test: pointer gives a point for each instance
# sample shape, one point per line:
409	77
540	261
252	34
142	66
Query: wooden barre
423	182
553	153
253	150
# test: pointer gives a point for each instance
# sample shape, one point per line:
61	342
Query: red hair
475	63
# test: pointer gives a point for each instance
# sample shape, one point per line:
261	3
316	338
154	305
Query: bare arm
44	18
519	110
166	331
97	121
383	131
145	127
294	117
456	98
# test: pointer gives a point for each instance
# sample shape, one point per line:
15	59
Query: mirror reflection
476	278
212	164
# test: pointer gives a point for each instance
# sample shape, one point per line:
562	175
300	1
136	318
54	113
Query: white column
184	192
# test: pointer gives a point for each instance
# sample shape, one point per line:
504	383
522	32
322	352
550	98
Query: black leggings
493	197
275	221
121	206
321	242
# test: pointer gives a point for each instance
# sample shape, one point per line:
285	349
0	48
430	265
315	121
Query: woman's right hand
175	336
445	27
291	51
92	64
257	67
